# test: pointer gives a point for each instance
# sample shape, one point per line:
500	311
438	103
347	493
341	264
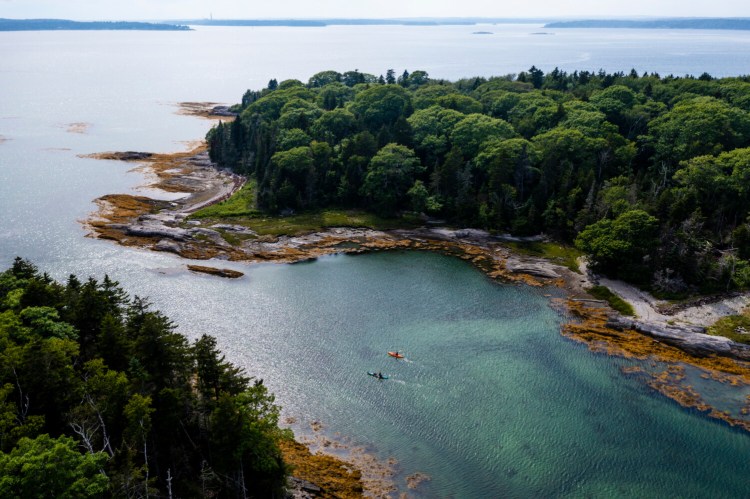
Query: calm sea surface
491	401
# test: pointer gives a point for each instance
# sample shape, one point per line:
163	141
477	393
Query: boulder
160	231
302	489
536	269
168	246
222	111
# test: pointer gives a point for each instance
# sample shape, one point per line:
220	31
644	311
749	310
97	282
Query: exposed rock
228	273
210	110
212	235
202	231
740	350
301	489
536	269
165	217
168	246
471	234
237	229
483	236
507	238
692	339
222	111
129	155
731	303
157	231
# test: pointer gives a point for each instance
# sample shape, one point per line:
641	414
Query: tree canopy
100	397
529	153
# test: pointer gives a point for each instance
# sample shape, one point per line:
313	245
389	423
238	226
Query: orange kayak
396	354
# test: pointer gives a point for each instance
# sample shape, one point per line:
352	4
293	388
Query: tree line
647	174
100	397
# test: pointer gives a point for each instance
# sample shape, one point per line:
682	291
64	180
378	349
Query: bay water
490	401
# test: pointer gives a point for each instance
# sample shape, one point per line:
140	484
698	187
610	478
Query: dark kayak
375	375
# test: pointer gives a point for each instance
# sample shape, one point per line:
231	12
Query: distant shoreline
742	24
67	25
729	23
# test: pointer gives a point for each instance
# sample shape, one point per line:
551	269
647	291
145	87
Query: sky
297	9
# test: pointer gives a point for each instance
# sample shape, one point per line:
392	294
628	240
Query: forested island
647	174
64	24
669	23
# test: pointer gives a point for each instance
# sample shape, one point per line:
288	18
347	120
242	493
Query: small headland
134	220
160	225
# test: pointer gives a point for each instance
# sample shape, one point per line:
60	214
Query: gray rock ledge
692	339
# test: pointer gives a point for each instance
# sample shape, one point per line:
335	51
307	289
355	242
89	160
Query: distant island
64	24
404	21
710	23
295	23
184	24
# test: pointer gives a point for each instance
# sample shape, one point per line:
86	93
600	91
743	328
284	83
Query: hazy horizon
383	9
384	18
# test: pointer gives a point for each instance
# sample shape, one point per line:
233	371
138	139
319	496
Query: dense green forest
649	175
100	397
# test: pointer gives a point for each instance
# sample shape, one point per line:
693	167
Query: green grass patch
240	204
734	327
317	221
554	252
617	303
241	209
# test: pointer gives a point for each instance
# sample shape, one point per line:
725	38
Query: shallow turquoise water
490	401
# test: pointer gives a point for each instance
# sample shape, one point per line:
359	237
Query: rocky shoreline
169	230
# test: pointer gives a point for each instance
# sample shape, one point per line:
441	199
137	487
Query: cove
491	401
